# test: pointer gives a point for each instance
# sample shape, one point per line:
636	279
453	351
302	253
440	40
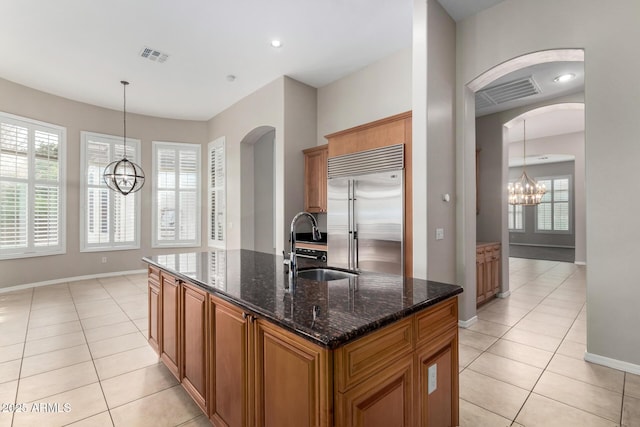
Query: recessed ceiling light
564	78
276	43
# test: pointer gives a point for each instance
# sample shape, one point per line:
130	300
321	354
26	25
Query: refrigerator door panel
378	222
338	222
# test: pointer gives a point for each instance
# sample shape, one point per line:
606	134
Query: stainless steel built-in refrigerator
366	211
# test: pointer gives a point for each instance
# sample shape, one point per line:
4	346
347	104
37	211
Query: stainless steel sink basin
324	274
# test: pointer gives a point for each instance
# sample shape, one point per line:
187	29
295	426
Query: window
108	220
553	211
176	194
32	187
217	193
516	218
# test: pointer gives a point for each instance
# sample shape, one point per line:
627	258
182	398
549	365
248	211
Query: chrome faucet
293	263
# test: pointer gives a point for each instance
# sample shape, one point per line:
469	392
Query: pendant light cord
124	109
524	145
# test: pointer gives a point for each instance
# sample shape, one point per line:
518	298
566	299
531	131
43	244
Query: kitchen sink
325	274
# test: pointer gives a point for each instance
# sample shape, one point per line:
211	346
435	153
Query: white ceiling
460	9
81	49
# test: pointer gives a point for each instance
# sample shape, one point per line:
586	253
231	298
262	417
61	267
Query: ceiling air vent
153	55
506	92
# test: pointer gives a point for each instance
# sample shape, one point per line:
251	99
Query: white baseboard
612	363
503	294
580	263
467	323
70	279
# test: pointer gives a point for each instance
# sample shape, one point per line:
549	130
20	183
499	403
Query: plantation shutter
217	193
31	187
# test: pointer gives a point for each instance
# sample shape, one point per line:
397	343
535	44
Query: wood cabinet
391	130
315	179
292	386
154	308
488	271
231	399
243	370
170	317
194	344
263	375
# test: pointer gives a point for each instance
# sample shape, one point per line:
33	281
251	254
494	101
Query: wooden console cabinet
315	179
487	271
243	370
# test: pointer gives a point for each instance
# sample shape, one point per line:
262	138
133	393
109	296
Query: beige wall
262	108
379	90
608	33
441	69
77	117
289	107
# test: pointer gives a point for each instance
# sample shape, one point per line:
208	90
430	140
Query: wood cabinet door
438	381
386	399
194	344
495	268
169	344
480	276
315	179
154	315
230	376
291	380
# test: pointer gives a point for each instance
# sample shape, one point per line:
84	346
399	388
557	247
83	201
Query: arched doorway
257	150
467	182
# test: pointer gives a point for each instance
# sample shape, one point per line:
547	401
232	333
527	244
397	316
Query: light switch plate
433	379
439	233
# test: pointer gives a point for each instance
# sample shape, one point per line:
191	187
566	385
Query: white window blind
32	187
217	193
516	218
176	194
553	211
108	220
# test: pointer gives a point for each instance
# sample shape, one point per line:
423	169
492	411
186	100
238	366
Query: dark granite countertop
348	309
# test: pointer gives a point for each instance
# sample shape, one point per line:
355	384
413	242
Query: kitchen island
371	350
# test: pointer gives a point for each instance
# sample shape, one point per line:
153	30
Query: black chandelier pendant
124	176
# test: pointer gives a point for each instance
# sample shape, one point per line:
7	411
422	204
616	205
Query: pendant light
123	175
525	191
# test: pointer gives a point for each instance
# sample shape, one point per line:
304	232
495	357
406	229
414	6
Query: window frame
523	219
31	249
155	242
553	202
114	140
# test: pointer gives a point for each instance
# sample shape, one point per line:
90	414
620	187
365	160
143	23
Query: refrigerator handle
350	227
355	229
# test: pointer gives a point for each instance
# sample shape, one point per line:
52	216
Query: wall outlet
104	259
433	379
439	233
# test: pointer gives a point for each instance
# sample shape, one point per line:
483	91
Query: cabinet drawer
364	357
436	321
154	274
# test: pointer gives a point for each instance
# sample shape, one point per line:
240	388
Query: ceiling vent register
506	92
153	55
364	162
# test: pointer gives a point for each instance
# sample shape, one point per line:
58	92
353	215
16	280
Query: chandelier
525	191
123	175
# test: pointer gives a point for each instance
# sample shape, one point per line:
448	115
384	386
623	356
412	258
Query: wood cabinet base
246	371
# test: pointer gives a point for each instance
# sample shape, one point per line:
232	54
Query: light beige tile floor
533	373
84	344
76	354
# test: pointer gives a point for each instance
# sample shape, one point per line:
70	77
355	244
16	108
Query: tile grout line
555	351
92	359
24	346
